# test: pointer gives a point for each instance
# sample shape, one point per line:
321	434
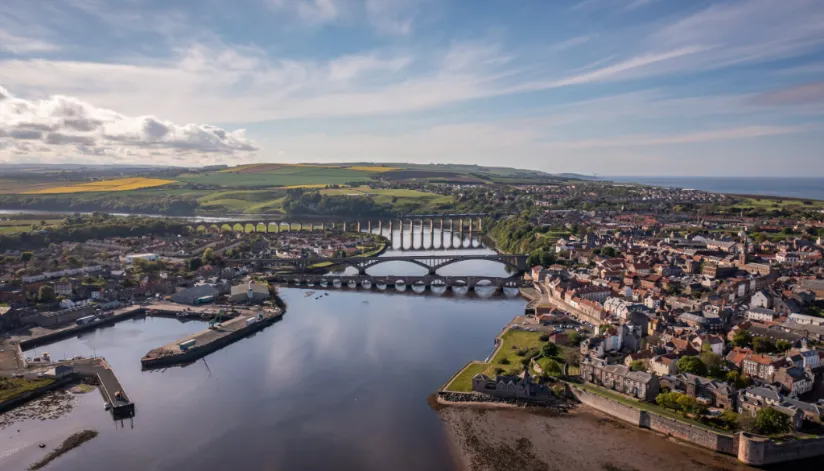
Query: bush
544	337
549	350
504	361
521	352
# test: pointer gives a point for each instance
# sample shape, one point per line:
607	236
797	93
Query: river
340	380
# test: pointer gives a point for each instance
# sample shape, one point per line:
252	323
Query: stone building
511	387
638	384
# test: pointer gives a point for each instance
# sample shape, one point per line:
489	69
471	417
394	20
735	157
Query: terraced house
638	384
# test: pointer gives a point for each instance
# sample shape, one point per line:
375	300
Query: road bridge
400	282
431	262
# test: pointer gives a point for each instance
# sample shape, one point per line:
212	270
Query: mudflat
584	439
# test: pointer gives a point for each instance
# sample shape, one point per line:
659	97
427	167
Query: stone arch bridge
431	263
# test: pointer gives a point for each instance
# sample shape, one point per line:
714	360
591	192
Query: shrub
504	361
544	337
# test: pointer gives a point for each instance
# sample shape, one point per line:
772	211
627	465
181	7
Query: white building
760	314
149	257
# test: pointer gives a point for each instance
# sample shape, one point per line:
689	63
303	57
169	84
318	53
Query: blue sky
612	87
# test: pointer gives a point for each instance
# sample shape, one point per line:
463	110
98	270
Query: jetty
188	349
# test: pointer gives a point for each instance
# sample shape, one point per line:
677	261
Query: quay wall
199	351
52	337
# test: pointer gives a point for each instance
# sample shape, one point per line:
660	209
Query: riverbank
497	439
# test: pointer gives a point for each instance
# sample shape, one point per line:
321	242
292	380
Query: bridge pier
380	227
369	226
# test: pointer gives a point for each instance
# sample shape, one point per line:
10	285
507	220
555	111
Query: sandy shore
504	439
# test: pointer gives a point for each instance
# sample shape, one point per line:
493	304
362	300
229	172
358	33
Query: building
250	292
149	257
664	365
196	295
755	398
512	387
762	367
711	392
760	314
794	381
638	384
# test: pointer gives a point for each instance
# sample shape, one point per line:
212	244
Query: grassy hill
251	189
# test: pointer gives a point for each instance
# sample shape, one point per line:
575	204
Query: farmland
120	184
282	176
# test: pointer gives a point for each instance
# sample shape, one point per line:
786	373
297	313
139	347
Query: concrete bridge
431	262
457	284
461	224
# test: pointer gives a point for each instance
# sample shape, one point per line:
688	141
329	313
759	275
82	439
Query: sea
790	187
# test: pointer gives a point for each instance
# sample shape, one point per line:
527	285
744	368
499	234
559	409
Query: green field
286	176
16	226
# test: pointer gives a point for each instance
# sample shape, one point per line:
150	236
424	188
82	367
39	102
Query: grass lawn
16	226
512	342
463	381
13	387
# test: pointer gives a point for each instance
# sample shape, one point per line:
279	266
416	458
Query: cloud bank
63	126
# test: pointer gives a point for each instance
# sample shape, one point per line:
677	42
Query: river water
341	381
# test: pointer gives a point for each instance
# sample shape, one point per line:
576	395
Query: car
516	326
532	330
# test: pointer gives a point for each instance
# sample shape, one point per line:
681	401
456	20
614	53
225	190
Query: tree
692	364
713	362
549	349
26	257
782	345
638	365
770	421
742	338
575	338
553	367
690	405
208	256
46	294
730	418
668	400
609	251
762	345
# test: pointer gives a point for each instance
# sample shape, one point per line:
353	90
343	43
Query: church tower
742	257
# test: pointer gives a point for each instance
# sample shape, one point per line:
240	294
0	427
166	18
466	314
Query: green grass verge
646	406
463	380
11	388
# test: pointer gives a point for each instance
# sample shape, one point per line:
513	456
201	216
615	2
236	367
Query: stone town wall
760	451
750	449
693	434
608	406
689	433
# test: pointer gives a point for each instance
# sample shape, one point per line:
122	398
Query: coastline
493	439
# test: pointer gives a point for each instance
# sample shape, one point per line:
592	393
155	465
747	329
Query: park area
11	388
516	347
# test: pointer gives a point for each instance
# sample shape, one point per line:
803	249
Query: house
712	343
63	288
638	384
794	381
664	365
761	366
712	393
760	314
761	299
755	398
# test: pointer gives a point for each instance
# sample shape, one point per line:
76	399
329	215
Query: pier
113	393
196	346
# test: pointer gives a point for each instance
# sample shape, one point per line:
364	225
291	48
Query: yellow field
120	184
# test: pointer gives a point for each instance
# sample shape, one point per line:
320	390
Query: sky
605	87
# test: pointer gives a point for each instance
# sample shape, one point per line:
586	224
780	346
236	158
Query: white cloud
15	44
395	17
313	12
61	125
572	42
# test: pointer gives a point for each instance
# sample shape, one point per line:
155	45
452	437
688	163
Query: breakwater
208	341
